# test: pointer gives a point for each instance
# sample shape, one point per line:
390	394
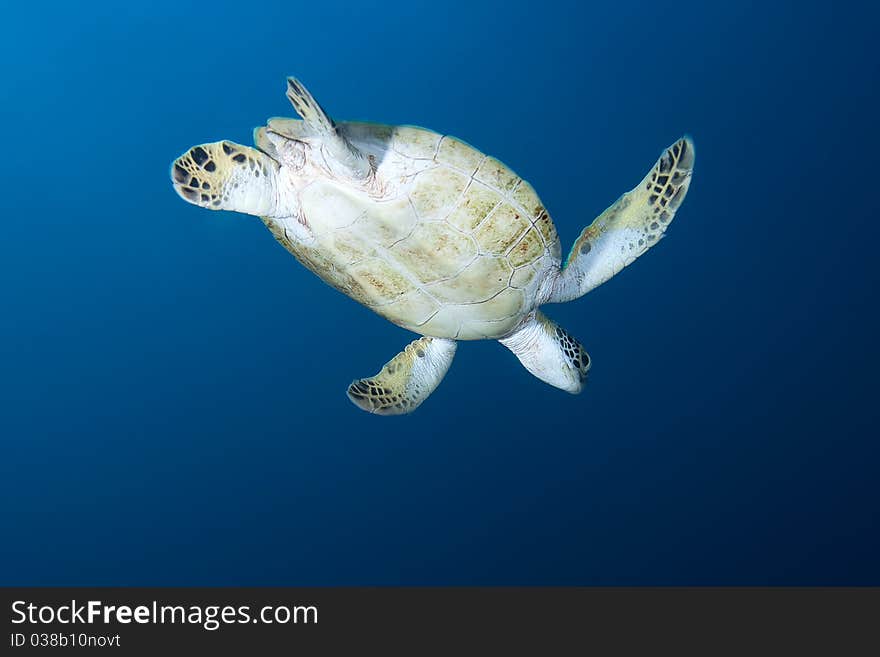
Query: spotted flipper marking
631	226
406	380
550	352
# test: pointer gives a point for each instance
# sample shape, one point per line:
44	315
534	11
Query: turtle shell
457	246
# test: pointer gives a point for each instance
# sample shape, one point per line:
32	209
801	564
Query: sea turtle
431	234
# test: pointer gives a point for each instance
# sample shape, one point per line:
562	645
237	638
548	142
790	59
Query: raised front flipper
228	176
631	226
406	380
343	157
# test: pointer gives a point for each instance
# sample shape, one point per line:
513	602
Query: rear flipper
406	380
227	176
631	226
550	353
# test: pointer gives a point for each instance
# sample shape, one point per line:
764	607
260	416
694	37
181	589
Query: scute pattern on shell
455	248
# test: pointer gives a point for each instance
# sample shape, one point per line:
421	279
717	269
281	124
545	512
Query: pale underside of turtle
431	234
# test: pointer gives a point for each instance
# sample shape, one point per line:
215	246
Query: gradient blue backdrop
172	401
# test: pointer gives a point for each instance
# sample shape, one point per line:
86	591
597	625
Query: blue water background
172	406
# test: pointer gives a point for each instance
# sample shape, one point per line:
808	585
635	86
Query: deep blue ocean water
172	403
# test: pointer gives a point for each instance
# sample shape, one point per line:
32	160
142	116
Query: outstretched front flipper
550	353
343	156
228	176
628	228
406	380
